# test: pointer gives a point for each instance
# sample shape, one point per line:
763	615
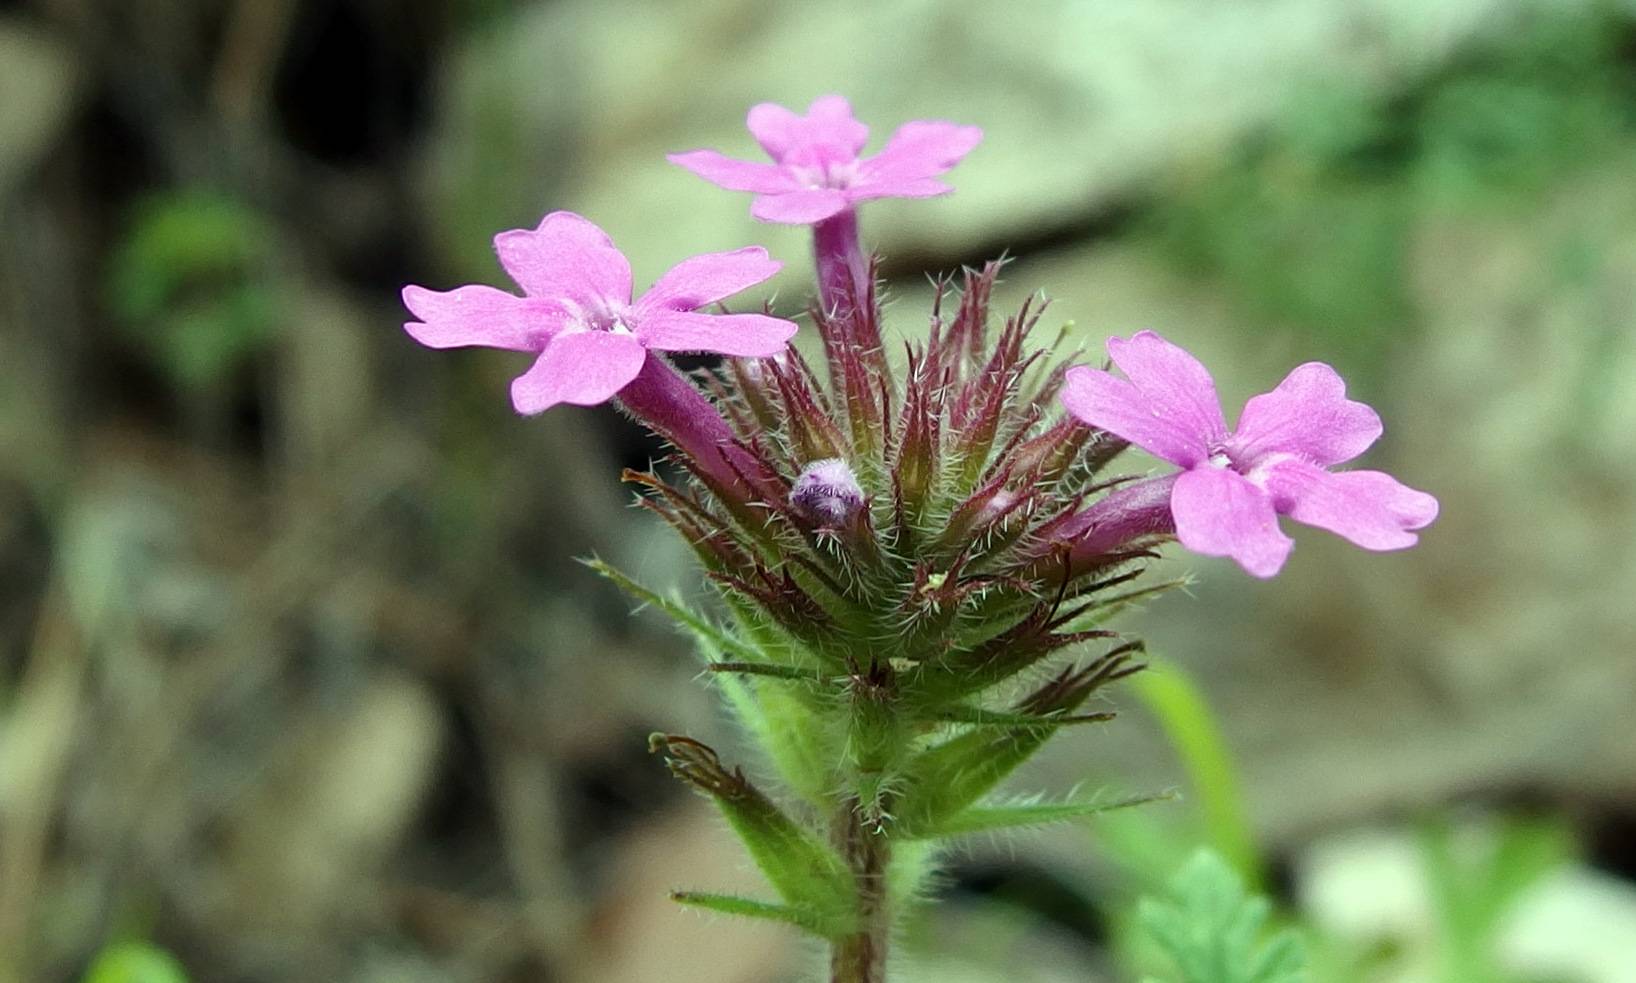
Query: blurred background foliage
299	681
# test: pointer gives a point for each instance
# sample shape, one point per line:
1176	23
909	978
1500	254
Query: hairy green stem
860	957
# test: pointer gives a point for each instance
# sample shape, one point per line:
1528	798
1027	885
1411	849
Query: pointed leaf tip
803	869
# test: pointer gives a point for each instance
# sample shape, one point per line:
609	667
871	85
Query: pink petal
1220	513
924	187
1308	414
800	207
735	175
479	315
828	123
749	335
705	279
1368	508
583	367
918	150
1103	400
567	257
774	127
1178	388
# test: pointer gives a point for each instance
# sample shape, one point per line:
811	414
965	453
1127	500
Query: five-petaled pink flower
578	316
1236	483
817	173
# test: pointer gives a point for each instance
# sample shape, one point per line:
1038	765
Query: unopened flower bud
827	493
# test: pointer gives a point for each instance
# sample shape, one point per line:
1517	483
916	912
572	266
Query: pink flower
1235	484
817	174
577	315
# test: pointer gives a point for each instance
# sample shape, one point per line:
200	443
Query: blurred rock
334	807
574	105
1580	925
641	936
326	377
37	75
1372	889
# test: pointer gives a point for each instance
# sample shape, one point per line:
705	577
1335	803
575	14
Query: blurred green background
299	680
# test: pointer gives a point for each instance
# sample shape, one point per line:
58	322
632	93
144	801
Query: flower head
816	172
577	315
1234	484
826	493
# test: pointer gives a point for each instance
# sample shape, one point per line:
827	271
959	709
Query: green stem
1185	715
860	957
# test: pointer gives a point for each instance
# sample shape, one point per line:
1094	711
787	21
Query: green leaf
1106	608
1184	714
981	717
987	819
806	873
135	962
949	777
766	669
1476	874
732	904
1214	932
690	621
796	737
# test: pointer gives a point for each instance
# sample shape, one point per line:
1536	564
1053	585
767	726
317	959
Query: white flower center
817	172
602	315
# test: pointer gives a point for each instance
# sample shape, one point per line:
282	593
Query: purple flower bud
827	493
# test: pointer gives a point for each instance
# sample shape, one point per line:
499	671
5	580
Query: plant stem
861	956
840	260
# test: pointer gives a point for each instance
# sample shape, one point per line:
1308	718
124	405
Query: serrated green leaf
796	737
693	623
947	778
784	725
987	819
1106	608
804	871
732	904
1212	931
981	717
768	669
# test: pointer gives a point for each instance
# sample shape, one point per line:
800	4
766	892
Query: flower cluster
906	545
